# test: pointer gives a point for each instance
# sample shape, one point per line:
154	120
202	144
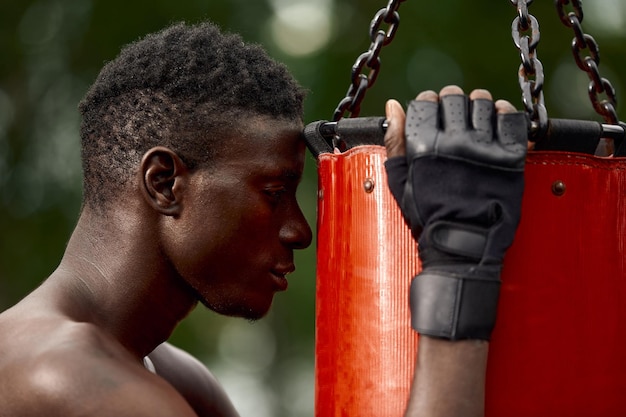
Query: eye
275	193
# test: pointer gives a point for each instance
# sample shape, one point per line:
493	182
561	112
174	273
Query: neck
114	276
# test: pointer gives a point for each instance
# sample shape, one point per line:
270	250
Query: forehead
261	142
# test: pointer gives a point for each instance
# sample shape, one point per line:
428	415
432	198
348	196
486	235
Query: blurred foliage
51	50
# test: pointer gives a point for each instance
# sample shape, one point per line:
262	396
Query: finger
482	112
453	108
428	95
394	137
423	111
451	90
503	106
480	93
513	132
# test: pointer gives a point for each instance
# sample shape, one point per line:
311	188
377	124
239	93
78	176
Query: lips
280	282
279	275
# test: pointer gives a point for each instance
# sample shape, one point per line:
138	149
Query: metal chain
363	79
526	36
589	63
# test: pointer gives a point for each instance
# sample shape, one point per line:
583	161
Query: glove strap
456	239
457	303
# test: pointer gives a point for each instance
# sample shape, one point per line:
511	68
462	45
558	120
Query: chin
249	311
252	306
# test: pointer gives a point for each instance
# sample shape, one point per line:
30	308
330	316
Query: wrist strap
457	239
459	303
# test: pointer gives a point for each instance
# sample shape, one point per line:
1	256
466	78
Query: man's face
241	220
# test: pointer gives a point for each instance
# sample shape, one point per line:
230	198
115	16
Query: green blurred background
51	50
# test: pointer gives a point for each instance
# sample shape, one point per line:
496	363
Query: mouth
279	276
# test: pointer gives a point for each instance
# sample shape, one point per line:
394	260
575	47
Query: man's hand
458	178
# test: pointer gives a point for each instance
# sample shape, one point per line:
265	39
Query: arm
193	381
449	378
446	177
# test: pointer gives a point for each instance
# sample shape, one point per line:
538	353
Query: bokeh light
606	17
301	28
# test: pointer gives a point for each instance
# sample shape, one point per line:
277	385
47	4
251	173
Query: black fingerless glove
460	189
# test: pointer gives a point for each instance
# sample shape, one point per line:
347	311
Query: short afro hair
184	87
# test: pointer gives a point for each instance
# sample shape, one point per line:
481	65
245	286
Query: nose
296	232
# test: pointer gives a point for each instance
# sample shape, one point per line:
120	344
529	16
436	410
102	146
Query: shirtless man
192	153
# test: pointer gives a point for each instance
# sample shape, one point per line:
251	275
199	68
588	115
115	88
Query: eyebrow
291	174
286	174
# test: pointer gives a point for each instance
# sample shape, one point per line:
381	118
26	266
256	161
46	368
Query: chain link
605	107
526	36
365	69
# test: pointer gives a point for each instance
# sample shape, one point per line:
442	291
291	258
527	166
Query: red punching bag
558	342
366	257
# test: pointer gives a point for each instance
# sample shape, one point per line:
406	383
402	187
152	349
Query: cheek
214	243
221	229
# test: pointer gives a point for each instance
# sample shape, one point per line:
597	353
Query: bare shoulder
70	372
193	381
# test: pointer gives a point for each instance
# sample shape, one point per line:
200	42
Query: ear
164	175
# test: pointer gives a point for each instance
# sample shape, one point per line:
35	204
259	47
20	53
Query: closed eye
275	193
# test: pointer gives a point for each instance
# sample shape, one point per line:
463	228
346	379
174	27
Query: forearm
449	378
457	175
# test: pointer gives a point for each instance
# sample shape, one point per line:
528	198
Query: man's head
188	88
194	138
